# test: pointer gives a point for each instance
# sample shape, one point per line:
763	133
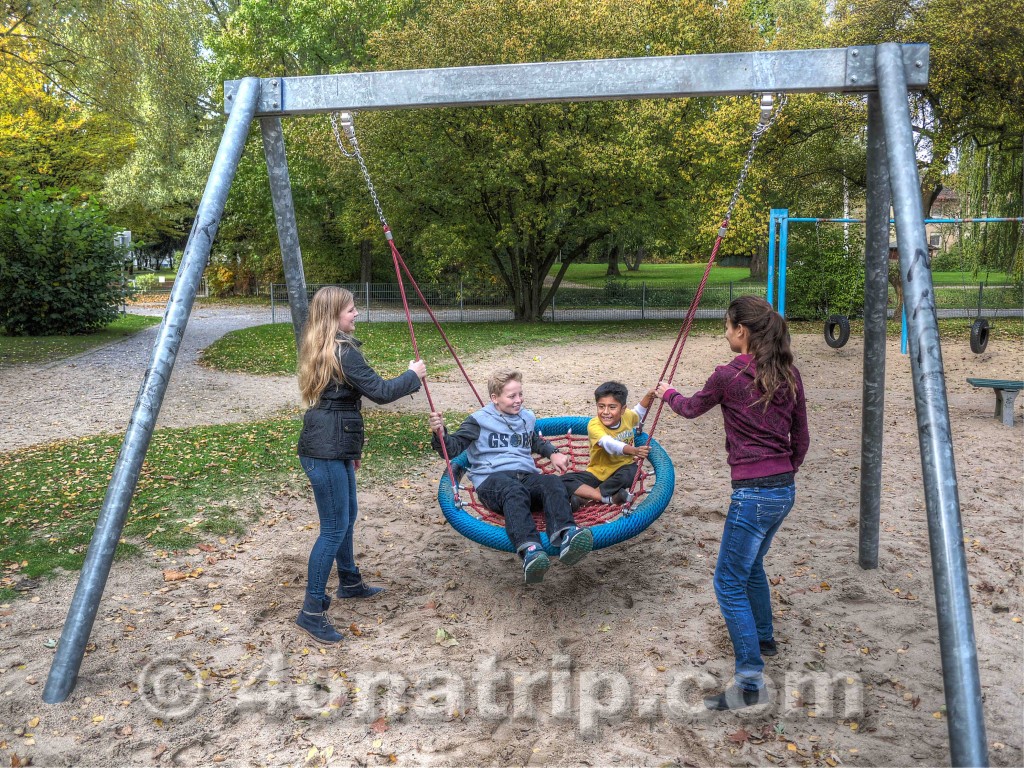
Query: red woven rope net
577	448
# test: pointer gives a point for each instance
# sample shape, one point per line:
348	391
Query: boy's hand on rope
436	423
641	451
418	367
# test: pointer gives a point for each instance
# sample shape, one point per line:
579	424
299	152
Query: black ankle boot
359	590
768	647
314	620
735	697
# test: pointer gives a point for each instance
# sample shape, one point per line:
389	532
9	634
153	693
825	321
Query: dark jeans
619	479
741	585
334	489
514	494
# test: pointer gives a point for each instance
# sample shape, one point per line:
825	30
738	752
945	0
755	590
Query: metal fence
382	302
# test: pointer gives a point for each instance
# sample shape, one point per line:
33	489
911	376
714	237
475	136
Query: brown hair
321	336
769	344
497	381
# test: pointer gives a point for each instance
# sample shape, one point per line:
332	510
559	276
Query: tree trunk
759	265
633	264
613	262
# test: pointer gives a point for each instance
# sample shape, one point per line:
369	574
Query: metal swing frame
885	73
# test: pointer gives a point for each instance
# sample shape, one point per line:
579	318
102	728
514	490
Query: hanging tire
837	331
979	335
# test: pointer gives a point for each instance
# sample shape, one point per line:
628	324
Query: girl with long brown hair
766	438
333	378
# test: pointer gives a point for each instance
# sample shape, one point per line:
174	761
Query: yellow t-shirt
603	464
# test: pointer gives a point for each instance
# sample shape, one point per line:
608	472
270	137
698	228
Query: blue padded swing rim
605	535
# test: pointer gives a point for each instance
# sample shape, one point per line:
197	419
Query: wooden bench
1006	393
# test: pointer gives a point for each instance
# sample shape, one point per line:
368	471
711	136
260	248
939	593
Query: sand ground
458	663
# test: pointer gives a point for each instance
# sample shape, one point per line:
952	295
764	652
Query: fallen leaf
98	719
33	722
355	630
174	575
380	725
444	638
739	737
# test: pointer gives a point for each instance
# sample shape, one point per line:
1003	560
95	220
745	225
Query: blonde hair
321	337
497	381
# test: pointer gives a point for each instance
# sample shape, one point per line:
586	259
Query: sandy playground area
194	659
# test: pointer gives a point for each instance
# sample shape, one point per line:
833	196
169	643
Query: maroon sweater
759	442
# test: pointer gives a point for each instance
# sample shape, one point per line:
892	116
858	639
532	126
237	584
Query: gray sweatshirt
496	442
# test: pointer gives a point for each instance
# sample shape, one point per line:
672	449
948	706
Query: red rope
677	349
395	255
395	258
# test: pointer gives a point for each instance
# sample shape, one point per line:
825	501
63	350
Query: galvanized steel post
965	720
284	216
85	603
876	299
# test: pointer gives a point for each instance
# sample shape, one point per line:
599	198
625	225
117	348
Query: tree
302	37
520	185
142	66
46	141
60	272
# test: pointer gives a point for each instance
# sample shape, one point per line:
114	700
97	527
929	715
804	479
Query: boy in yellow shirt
613	452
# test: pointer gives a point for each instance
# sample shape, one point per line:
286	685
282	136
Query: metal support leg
284	215
876	299
965	719
85	603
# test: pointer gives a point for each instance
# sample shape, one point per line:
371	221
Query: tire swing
837	331
611	523
979	335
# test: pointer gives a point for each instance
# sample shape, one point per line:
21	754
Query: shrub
60	270
821	279
145	281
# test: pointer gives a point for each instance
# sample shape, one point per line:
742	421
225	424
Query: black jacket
333	429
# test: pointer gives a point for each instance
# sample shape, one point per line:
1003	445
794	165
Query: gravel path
95	391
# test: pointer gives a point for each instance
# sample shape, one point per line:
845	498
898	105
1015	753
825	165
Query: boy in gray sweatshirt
500	440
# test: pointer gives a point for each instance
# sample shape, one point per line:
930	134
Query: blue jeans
755	514
334	489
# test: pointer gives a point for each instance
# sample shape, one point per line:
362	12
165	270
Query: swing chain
349	128
768	117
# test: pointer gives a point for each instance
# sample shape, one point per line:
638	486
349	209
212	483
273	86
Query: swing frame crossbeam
885	73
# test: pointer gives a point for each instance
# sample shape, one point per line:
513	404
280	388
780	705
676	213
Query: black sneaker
575	502
735	697
576	544
623	496
535	564
768	647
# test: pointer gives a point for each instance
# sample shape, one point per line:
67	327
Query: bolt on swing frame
885	73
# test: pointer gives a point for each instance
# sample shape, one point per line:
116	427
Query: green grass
689	275
34	349
657	275
195	484
270	349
